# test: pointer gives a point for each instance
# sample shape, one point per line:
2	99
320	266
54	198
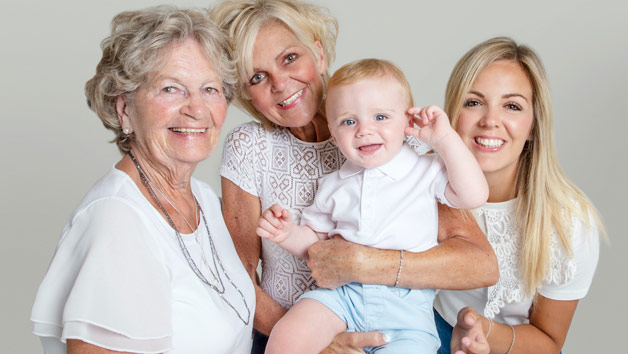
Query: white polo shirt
390	207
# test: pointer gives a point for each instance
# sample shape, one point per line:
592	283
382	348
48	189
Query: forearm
467	185
456	264
267	311
299	239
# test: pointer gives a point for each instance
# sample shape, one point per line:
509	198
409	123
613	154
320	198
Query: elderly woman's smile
178	115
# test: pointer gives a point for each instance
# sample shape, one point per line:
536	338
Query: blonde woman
283	50
543	228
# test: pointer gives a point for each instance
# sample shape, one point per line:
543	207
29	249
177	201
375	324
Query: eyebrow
279	55
508	95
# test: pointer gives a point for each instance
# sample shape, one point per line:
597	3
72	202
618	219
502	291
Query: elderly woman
283	50
145	263
543	228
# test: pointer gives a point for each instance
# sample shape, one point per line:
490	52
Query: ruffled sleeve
107	284
575	283
238	157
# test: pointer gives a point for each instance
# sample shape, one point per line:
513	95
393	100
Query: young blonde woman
543	228
282	50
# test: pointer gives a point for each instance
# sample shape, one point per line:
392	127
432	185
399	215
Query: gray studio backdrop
54	148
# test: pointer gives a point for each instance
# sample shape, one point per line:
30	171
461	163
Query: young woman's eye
513	107
348	122
380	117
290	58
471	103
257	78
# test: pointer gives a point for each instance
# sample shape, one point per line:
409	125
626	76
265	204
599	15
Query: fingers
272	221
367	339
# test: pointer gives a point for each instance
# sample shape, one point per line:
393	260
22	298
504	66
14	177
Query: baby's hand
274	224
433	125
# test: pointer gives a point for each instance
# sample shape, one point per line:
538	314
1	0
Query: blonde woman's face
286	85
496	119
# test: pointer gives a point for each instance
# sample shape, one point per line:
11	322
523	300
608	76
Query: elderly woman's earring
126	131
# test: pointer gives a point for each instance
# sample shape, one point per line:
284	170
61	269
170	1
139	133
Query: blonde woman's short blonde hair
136	49
243	19
367	69
547	201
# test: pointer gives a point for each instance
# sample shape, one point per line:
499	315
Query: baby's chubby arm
467	187
276	224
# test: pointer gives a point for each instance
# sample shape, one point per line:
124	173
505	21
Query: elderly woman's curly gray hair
136	49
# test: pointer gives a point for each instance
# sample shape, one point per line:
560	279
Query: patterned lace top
276	167
569	278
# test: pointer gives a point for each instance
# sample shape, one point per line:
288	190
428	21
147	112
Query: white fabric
569	278
119	280
276	167
392	206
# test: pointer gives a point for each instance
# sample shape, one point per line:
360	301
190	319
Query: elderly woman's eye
257	78
169	89
211	90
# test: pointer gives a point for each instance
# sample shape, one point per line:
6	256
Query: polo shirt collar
396	168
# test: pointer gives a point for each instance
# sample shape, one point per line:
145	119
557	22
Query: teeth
291	99
490	143
189	130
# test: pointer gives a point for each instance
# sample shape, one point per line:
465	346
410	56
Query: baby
383	196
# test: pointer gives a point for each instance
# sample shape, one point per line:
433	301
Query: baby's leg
308	327
409	342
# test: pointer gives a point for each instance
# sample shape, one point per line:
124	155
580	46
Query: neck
315	131
501	187
171	187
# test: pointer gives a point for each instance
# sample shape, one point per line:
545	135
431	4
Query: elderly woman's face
286	86
178	114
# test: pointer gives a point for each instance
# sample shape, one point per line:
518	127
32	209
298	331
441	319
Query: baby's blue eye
380	117
348	122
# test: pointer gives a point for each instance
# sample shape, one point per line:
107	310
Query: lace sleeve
238	157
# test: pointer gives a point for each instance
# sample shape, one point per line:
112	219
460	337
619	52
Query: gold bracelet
512	344
399	272
490	326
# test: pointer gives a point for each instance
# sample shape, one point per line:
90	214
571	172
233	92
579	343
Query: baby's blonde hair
370	68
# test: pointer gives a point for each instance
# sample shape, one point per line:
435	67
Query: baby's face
367	120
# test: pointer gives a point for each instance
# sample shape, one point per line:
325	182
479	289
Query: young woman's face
496	119
286	85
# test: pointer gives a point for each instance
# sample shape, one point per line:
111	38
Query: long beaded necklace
220	290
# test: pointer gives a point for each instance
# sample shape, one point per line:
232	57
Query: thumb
370	339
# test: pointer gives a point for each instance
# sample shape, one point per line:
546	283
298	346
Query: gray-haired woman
146	264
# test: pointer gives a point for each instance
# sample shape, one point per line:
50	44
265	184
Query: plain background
54	148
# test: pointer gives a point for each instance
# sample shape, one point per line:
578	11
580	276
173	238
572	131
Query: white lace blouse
276	167
569	278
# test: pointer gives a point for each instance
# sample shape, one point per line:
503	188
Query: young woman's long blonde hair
547	200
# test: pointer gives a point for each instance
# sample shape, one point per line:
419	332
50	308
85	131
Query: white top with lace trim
569	278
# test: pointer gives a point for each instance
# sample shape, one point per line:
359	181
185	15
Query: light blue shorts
405	315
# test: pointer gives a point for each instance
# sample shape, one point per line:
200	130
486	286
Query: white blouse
119	279
568	279
276	167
